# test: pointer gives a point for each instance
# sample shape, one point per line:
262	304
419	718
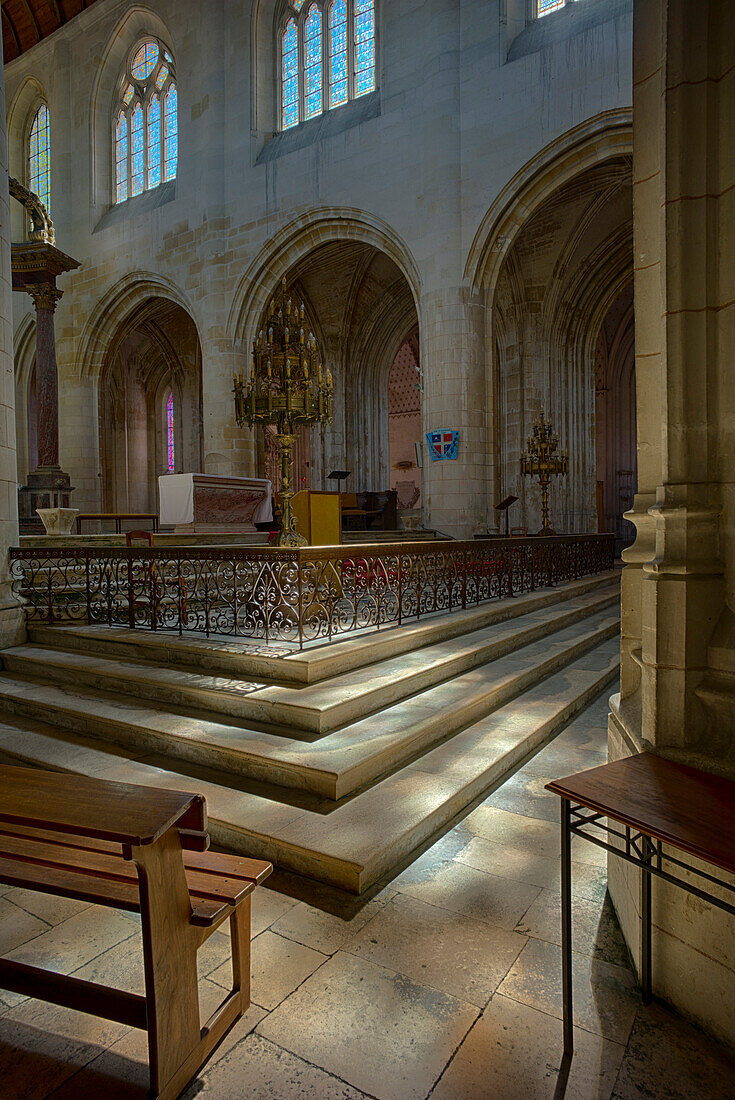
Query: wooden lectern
318	517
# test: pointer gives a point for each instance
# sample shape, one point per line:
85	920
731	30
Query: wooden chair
143	850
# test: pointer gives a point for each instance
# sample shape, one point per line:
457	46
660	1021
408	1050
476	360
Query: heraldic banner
442	444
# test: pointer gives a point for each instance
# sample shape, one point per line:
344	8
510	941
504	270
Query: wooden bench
143	850
117	518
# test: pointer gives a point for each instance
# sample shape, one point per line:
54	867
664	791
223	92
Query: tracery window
146	144
39	156
326	56
544	7
170	433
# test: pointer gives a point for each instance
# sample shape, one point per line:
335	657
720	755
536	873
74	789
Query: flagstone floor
444	983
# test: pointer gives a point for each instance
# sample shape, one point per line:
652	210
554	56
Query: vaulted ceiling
26	22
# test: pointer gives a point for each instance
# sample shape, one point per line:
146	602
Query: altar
207	504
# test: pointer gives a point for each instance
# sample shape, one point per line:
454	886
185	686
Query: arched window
326	56
544	7
146	133
170	433
39	156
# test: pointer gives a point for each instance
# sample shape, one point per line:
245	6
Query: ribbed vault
26	22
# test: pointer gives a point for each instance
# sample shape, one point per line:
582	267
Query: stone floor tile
527	865
256	1069
41	1046
325	932
267	907
372	1027
525	794
75	941
605	997
17	926
555	760
514	1051
508	827
46	907
279	966
436	947
595	928
668	1059
475	893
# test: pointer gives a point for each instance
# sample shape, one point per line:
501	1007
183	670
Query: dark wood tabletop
690	809
76	804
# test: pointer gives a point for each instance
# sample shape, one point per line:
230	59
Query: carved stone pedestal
47	487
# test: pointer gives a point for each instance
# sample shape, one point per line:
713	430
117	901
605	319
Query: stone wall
412	170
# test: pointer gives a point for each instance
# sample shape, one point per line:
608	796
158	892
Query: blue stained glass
39	156
290	115
364	34
313	70
545	6
171	134
298	4
136	132
121	158
161	78
144	61
338	53
364	81
154	142
289	77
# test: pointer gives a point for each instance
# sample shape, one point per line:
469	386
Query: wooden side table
648	801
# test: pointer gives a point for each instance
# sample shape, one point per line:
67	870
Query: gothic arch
603	137
304	233
138	22
114	307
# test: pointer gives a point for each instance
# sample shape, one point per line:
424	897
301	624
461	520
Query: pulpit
203	504
317	516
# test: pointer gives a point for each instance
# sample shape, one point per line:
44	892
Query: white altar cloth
176	499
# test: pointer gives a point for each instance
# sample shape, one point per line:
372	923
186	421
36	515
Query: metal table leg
566	925
647	848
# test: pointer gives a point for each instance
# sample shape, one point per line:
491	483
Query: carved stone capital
44	295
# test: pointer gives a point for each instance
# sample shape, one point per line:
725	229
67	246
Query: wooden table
657	802
117	518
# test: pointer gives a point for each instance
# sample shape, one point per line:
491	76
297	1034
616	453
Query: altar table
657	802
205	503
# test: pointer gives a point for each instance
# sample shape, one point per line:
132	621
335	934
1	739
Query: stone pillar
678	637
45	296
12	619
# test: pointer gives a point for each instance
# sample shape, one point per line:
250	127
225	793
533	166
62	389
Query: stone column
12	619
678	644
45	296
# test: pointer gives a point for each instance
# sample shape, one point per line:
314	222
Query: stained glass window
364	46
298	4
153	142
170	433
313	63
39	156
144	61
290	77
121	158
146	133
172	137
545	6
338	91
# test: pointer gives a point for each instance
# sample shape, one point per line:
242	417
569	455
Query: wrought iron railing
291	595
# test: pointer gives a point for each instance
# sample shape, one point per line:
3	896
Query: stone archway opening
360	307
150	405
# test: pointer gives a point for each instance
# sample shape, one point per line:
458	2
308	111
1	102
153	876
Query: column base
47	487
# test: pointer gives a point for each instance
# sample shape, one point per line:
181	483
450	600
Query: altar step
409	742
314	708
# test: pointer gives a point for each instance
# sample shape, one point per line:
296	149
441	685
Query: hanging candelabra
286	388
542	461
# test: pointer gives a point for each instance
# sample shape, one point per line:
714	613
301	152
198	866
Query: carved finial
42	228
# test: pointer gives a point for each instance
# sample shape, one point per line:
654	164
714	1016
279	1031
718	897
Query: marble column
45	296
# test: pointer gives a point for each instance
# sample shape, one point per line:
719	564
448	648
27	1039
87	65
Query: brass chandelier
287	388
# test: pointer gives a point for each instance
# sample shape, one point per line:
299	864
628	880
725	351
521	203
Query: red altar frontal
206	504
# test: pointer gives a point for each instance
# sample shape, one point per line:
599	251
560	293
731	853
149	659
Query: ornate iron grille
295	595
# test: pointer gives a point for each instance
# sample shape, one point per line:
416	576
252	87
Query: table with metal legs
638	809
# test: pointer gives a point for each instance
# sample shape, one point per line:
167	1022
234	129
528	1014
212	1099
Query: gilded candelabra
287	388
542	461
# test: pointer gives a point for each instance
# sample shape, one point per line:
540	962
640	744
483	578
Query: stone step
283	663
317	708
359	840
334	765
